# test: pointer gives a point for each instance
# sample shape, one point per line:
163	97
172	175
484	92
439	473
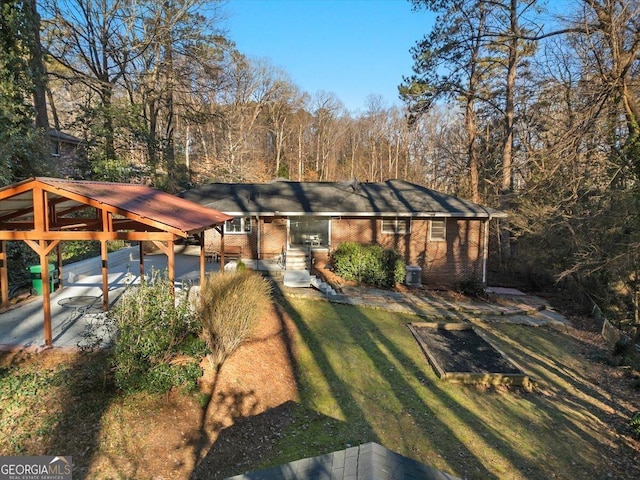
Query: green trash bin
36	277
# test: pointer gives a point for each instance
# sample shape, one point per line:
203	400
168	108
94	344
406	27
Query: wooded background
511	104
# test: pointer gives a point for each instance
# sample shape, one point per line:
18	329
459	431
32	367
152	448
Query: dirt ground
258	377
463	351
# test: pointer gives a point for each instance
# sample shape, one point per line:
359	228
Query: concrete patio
22	325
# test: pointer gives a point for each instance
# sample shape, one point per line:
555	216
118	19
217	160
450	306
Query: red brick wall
457	259
272	239
443	262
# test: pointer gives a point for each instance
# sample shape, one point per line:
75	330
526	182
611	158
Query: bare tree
90	41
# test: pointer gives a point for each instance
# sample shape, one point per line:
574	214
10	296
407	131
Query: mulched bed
458	353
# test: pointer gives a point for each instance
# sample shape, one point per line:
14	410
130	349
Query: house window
238	225
55	148
396	226
438	230
309	232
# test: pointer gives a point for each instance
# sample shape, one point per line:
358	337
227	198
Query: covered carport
42	212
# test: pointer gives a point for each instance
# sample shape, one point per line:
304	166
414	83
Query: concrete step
296	264
322	286
297	278
296	260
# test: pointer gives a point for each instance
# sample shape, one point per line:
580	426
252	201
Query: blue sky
353	48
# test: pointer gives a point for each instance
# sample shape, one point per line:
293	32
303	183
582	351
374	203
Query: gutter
488	215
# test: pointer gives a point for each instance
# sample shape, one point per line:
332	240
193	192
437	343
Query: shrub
229	308
634	423
370	264
473	288
153	330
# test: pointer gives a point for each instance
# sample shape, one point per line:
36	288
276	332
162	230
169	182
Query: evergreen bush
153	330
634	423
229	308
369	264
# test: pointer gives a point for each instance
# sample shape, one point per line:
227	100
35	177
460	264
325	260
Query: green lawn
364	372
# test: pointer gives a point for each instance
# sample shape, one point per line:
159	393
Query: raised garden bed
459	353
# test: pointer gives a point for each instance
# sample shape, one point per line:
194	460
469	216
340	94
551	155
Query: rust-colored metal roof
138	202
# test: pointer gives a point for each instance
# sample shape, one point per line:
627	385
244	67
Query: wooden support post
107	224
171	263
46	294
59	263
141	254
4	275
169	251
202	260
104	254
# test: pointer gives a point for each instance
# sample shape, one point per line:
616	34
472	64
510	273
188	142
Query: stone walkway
503	305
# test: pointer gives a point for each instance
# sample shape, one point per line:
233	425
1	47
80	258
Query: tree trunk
506	185
38	70
470	124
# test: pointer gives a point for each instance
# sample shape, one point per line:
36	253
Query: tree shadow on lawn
578	397
470	431
281	434
396	421
252	442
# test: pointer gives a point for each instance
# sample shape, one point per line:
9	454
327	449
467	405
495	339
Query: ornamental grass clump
229	309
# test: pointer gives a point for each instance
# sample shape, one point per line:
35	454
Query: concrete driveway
23	325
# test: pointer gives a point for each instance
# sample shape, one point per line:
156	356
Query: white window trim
396	222
56	148
444	230
243	229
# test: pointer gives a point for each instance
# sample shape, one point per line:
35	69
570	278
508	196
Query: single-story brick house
447	237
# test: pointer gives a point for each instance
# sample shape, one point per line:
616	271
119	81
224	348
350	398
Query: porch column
220	230
41	225
107	226
171	263
169	251
485	251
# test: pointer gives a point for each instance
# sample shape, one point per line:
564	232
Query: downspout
485	250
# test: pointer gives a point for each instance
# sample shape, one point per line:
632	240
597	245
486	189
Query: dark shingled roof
370	461
63	137
282	197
